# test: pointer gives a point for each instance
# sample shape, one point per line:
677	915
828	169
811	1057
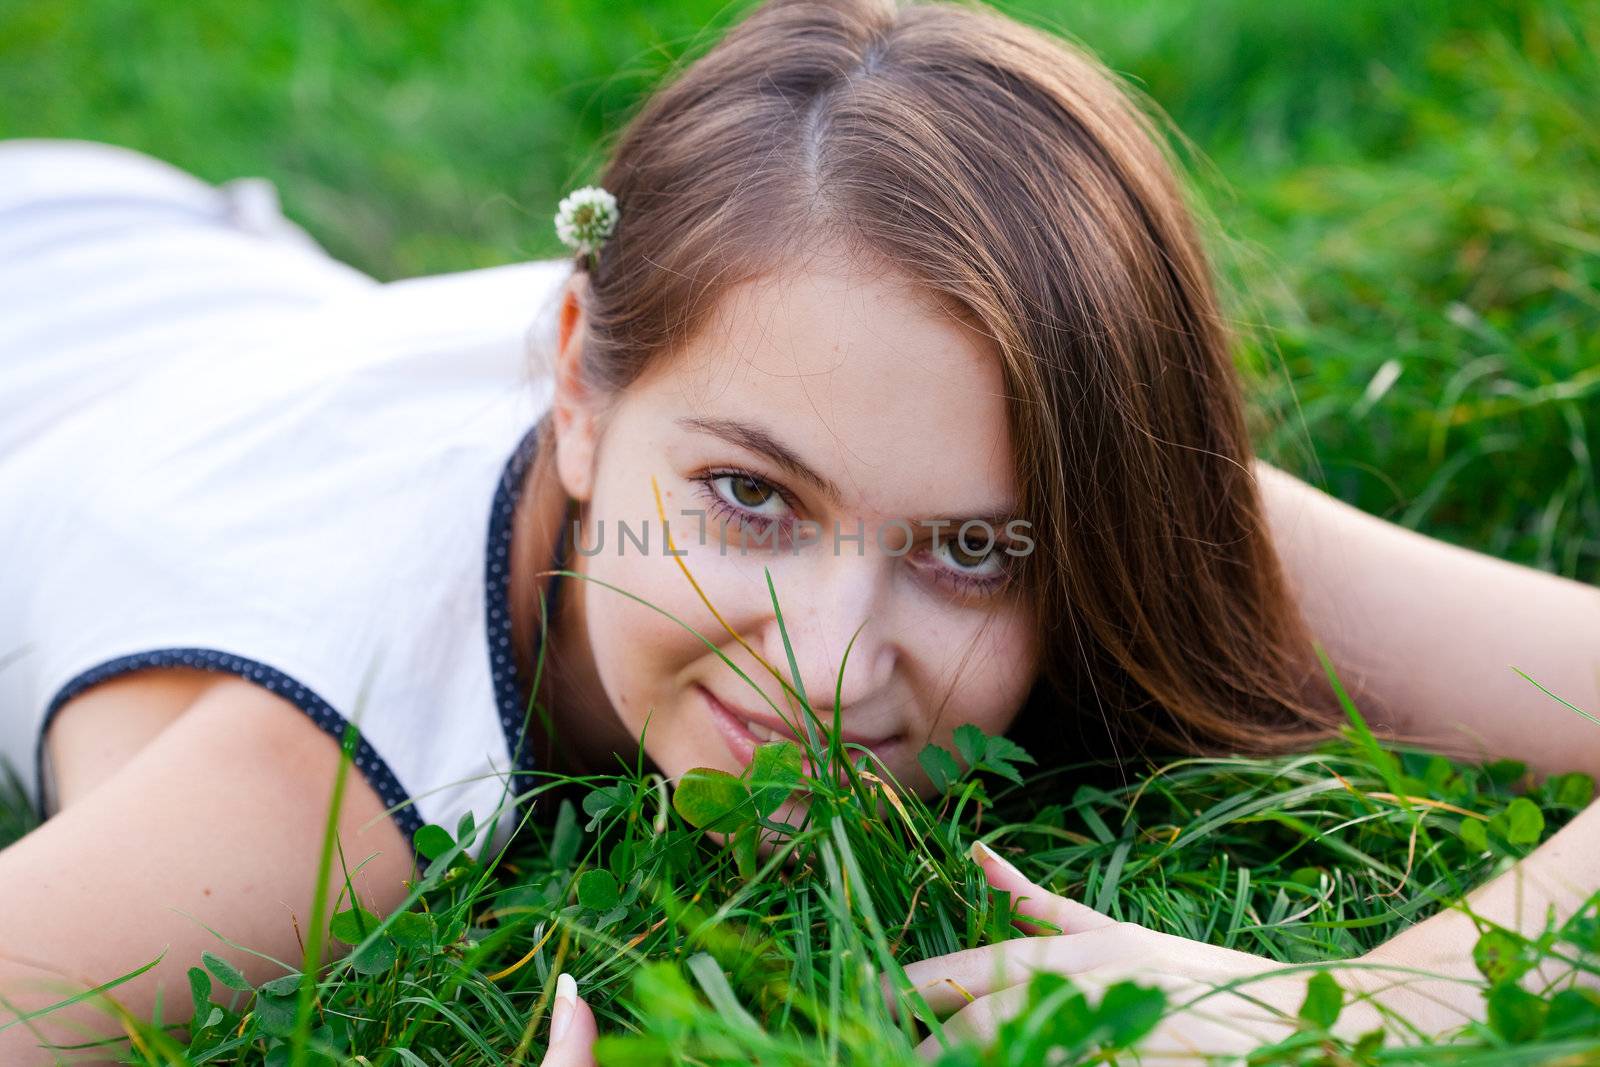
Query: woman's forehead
861	374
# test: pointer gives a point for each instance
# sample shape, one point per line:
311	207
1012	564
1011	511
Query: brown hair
1008	173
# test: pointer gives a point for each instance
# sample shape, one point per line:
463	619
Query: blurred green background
1408	194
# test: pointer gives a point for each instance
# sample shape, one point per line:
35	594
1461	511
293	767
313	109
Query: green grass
695	953
1407	197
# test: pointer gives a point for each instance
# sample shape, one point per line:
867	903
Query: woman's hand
980	988
984	986
572	1028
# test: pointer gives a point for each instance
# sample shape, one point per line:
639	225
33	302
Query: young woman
882	269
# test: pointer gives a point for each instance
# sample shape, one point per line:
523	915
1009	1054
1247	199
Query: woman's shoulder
297	492
354	581
328	539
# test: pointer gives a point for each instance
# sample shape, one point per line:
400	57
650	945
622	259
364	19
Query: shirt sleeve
342	570
254	460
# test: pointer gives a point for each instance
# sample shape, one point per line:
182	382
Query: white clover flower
586	217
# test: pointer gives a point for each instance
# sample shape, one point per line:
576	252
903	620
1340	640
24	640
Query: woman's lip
740	741
734	726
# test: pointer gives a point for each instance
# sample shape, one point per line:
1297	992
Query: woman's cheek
994	680
647	661
634	643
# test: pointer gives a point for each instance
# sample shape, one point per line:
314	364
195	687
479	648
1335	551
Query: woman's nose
823	608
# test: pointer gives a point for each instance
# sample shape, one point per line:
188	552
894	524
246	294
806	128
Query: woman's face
827	395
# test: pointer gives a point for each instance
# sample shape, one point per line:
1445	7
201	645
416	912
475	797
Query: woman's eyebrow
755	439
759	440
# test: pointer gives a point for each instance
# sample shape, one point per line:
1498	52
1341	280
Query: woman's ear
574	407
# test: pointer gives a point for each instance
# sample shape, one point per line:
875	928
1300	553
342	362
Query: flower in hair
585	218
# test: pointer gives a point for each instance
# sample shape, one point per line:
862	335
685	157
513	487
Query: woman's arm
216	822
1424	634
1558	876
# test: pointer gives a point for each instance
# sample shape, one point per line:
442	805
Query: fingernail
979	847
566	1004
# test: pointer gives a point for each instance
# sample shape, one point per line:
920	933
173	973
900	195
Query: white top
221	448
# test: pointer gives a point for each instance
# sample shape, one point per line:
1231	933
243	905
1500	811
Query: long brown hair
1014	178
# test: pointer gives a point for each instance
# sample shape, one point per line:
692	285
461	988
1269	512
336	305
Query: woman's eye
971	553
749	493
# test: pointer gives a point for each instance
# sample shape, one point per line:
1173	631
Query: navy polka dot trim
366	759
497	581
